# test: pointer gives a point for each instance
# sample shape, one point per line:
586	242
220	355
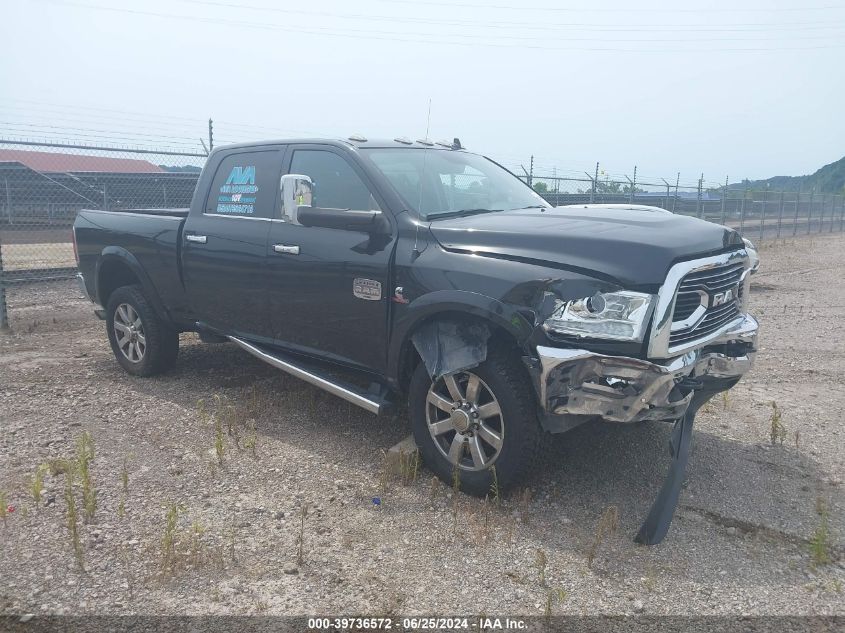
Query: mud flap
659	518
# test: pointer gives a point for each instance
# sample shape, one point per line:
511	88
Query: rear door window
245	185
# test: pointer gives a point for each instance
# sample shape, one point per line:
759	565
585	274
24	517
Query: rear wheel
476	420
142	343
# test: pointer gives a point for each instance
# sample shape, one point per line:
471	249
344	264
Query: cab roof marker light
404	140
358	138
446	144
425	141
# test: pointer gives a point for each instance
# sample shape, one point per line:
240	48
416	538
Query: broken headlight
620	316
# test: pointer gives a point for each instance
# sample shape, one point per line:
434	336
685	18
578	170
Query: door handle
199	239
286	249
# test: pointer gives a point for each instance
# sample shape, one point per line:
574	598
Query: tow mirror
372	222
297	193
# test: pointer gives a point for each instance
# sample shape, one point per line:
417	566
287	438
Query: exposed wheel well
112	276
410	358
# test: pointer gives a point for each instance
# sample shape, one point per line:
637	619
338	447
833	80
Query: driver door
328	289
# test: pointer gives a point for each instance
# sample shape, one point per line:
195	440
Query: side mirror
297	192
372	222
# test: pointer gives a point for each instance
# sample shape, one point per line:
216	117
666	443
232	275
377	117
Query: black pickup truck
434	276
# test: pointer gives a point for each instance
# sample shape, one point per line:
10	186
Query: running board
370	402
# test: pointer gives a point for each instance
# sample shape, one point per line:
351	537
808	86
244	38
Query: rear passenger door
225	244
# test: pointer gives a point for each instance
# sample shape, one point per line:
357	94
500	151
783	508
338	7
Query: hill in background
828	179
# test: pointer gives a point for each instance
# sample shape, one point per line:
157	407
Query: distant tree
541	187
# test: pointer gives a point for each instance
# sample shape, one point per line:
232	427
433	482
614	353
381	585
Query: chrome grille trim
715	274
699	287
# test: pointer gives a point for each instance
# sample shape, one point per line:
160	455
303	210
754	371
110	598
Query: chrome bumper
577	382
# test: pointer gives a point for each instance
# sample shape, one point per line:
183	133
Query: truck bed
148	240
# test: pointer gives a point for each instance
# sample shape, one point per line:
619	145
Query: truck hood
633	247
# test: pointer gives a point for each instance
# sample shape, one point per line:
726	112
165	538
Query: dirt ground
284	521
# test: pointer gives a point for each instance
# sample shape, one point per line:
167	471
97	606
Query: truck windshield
445	183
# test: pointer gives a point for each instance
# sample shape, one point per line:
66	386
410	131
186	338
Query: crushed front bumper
575	385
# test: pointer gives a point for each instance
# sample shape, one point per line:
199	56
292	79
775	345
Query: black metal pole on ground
4	314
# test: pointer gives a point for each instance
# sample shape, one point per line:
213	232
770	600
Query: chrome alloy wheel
129	333
465	421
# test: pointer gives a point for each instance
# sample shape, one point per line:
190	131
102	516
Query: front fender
452	303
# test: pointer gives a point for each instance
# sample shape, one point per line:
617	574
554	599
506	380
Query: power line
510	24
405	38
180	139
635	9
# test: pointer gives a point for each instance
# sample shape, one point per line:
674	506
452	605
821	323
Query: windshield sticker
237	196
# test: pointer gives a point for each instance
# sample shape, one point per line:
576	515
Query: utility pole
531	172
595	184
210	134
724	196
633	186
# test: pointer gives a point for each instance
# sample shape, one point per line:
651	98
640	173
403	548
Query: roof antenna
416	252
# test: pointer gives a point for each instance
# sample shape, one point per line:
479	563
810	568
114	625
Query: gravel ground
241	543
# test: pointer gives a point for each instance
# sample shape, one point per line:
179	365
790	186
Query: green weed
608	524
540	561
778	430
820	545
72	518
36	486
84	455
168	538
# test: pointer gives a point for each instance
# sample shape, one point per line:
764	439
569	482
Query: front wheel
468	423
142	343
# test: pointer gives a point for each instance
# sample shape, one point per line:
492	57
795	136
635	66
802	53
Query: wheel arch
505	323
118	267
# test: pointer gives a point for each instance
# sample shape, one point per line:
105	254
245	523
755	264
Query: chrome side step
370	402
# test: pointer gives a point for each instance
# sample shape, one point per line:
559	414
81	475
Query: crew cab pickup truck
433	276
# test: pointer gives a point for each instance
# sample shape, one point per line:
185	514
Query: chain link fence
756	214
44	185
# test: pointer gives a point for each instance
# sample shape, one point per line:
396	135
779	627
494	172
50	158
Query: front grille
699	288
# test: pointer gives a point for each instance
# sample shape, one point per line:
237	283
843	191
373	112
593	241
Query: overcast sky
745	89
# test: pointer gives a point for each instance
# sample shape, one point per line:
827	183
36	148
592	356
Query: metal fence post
675	199
832	213
842	213
633	186
8	201
763	213
742	211
724	196
821	215
797	209
810	211
780	214
4	313
699	208
593	188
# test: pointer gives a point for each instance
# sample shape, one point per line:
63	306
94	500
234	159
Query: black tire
161	342
521	435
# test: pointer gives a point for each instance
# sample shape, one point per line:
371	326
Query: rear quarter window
245	185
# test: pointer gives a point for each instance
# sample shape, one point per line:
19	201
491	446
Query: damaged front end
701	341
576	385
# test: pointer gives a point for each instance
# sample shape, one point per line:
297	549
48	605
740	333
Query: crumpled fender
447	347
